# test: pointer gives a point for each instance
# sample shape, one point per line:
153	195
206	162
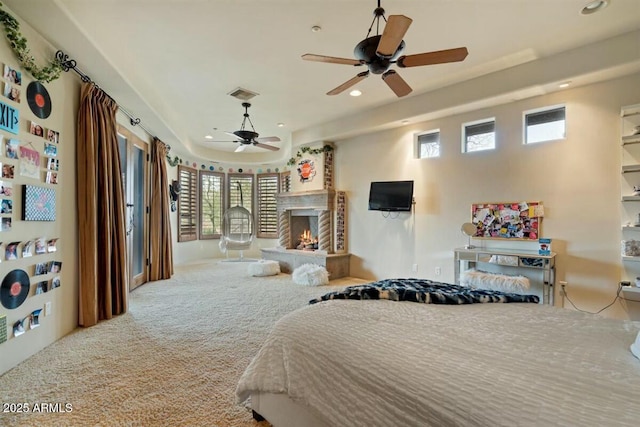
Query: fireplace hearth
307	231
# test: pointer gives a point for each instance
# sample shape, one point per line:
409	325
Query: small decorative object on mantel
636	131
636	190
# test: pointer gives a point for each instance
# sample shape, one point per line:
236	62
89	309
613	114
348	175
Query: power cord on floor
566	295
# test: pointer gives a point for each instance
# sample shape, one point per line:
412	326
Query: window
267	208
241	191
546	124
211	204
187	204
428	144
479	136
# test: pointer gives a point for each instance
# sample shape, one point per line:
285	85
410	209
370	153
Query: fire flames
307	242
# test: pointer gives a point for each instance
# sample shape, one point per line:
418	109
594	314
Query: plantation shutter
211	204
267	208
241	191
188	204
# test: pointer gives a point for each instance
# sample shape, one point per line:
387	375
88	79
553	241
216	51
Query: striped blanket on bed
424	291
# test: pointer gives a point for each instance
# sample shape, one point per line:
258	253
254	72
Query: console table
513	260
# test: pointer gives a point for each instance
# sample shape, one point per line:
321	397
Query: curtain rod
71	64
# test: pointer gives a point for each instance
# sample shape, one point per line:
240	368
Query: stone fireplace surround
314	203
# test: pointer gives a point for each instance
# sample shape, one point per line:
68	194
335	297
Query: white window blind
188	204
267	188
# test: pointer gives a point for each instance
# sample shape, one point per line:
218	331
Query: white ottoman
264	267
310	275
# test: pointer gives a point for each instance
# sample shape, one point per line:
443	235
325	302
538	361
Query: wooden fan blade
267	139
268	147
430	58
240	148
330	59
348	83
394	31
396	83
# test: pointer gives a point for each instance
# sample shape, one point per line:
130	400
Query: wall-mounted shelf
631	292
630	168
630	180
631	139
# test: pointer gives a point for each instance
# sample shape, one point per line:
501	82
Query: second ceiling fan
250	137
380	51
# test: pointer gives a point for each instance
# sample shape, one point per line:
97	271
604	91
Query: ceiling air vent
242	94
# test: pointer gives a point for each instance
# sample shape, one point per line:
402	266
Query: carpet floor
173	359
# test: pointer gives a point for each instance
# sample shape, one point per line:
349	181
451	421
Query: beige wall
64	94
577	179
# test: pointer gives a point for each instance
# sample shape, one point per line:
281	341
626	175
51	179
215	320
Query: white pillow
494	281
310	275
264	268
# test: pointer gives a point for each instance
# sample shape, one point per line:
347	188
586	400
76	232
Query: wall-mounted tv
391	196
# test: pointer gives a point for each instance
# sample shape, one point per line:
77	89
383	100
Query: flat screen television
391	196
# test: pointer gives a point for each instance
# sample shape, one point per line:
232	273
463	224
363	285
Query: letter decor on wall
38	203
9	118
508	220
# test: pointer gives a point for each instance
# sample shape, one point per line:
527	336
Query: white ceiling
173	62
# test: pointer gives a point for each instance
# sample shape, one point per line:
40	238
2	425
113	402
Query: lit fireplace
307	242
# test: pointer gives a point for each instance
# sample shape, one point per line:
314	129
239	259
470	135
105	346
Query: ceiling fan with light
250	137
380	51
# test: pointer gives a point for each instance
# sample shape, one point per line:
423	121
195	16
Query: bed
363	357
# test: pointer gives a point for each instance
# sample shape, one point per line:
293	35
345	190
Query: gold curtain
101	219
159	224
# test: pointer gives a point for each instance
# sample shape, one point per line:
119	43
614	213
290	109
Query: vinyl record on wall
39	100
14	288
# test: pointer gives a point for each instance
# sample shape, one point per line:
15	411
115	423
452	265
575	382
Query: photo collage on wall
35	156
507	220
29	166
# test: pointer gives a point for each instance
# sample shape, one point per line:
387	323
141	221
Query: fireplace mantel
314	199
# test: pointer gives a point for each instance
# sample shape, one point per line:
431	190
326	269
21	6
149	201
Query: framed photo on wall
38	203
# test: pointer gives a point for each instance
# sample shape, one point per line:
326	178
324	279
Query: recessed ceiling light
355	92
564	85
208	137
280	125
405	122
594	6
316	28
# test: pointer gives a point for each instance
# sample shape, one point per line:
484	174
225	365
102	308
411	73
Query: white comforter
386	363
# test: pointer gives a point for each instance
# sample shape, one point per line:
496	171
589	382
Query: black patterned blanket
424	291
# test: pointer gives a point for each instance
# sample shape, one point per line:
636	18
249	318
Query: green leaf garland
18	44
306	150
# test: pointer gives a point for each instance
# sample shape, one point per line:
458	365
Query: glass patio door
134	162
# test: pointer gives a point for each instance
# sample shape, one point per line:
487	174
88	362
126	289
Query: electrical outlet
438	271
47	308
563	289
414	268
